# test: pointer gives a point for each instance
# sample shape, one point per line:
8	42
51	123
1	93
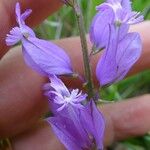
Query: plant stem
87	67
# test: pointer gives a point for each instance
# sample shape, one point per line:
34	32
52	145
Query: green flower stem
87	67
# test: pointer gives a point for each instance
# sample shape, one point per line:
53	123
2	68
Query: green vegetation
63	24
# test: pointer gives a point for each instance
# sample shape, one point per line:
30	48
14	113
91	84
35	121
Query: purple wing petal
107	67
93	122
98	125
123	30
66	132
123	11
129	51
68	124
99	30
126	4
48	57
74	113
30	61
118	58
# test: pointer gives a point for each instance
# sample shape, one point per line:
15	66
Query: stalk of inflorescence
87	67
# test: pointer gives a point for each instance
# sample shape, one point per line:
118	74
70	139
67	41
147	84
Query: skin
21	108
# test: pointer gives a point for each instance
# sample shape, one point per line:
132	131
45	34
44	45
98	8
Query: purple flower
116	12
19	33
42	56
80	129
60	97
119	56
99	28
78	126
122	11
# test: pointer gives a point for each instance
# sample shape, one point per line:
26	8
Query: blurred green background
63	24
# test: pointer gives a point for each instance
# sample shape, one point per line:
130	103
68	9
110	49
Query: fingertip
40	137
126	119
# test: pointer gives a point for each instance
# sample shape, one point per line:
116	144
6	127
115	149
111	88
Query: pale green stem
87	67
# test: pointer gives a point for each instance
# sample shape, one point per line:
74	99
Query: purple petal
17	33
77	128
68	125
26	14
129	51
126	4
81	98
93	122
106	68
27	31
46	57
74	114
122	10
135	17
60	97
118	57
99	30
14	36
59	86
66	132
18	14
20	18
29	58
123	30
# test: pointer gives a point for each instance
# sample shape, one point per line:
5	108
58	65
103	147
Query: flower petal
124	3
129	51
17	33
66	132
47	58
59	86
20	18
26	14
99	30
107	67
14	36
119	57
94	123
